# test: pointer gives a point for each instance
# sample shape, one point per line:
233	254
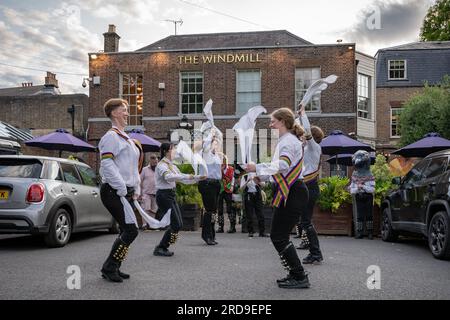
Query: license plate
4	194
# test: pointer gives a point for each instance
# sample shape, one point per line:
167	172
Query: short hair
317	134
113	104
165	147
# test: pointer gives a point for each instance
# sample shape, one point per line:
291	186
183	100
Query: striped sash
285	183
137	143
312	176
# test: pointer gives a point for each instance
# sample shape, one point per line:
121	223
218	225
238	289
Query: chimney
111	39
50	80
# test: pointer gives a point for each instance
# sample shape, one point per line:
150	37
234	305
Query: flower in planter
333	193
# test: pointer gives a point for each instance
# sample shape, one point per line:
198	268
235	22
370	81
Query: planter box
339	223
191	214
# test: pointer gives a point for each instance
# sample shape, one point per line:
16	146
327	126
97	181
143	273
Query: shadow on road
29	242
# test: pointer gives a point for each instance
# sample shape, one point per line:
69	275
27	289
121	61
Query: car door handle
73	190
94	193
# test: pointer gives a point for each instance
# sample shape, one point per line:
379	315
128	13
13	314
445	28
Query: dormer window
397	69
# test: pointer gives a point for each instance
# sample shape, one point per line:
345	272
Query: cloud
130	11
52	40
388	22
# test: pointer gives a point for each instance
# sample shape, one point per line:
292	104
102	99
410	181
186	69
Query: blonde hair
113	104
287	116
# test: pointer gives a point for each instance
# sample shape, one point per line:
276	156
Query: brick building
401	73
41	109
236	70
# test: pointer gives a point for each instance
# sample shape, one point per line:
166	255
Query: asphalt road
237	268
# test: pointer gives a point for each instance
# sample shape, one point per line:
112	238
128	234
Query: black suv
421	204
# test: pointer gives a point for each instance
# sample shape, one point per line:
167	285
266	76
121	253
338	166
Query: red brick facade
277	69
387	98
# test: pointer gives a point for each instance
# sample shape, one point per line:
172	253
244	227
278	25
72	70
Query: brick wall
277	85
387	97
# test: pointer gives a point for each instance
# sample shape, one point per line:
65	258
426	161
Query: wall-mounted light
350	48
93	56
95	81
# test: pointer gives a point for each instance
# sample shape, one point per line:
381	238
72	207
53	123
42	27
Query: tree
436	25
427	112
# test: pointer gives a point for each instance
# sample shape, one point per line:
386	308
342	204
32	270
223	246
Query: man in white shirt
119	169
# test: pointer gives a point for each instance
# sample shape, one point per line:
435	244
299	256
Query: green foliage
436	25
188	194
426	112
333	193
383	178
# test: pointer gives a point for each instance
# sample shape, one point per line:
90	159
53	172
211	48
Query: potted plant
333	211
383	184
190	201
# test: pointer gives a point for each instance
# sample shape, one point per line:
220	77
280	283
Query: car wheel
387	233
60	230
115	229
438	236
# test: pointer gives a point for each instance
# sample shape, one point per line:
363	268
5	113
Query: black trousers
287	215
209	189
253	207
364	212
227	198
306	218
111	201
166	199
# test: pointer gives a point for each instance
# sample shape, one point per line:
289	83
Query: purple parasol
148	144
60	140
431	142
338	143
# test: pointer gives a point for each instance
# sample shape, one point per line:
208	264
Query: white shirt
167	174
213	162
251	184
119	166
313	151
288	153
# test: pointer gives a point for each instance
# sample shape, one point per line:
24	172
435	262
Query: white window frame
319	110
390	121
121	95
389	69
237	87
369	97
180	94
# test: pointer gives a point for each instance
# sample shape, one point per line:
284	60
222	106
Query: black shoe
162	252
293	283
210	242
250	234
232	230
220	230
359	236
289	276
112	276
123	275
310	259
263	235
303	246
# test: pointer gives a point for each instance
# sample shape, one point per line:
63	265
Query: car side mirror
397	181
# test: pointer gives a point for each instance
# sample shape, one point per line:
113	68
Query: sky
56	36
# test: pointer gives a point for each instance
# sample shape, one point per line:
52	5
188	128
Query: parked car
52	197
421	204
